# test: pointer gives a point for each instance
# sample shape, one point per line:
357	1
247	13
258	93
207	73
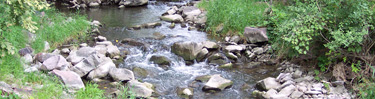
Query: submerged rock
217	83
160	60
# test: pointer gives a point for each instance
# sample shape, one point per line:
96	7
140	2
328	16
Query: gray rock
121	74
65	51
234	48
172	25
251	65
283	77
190	12
106	43
258	50
140	89
27	58
152	25
203	79
113	50
306	78
26	50
96	23
83	45
210	45
121	6
255	35
172	11
235	39
140	72
71	80
202	54
313	92
158	36
296	94
88	64
287	90
267	84
269	93
133	42
101	38
94	4
217	83
172	18
160	60
187	50
286	84
133	2
101	49
5	87
102	70
231	55
217	58
31	69
185	92
46	46
228	65
250	54
297	73
201	19
55	62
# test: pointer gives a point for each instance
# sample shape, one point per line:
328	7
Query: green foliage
52	87
367	90
126	93
91	91
340	24
234	14
356	66
317	75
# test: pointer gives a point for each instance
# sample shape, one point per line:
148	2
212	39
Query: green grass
235	15
53	28
91	91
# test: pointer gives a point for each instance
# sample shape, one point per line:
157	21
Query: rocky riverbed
168	57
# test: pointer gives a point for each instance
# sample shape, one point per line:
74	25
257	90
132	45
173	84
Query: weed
91	91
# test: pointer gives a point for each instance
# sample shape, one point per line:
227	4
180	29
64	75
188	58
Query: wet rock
217	58
210	45
187	50
231	55
202	54
94	4
172	18
55	62
172	25
133	42
160	60
26	50
250	54
121	74
158	36
140	72
185	92
267	84
201	19
183	25
189	12
102	70
136	27
217	83
113	50
71	80
101	38
192	29
171	11
251	65
65	51
140	89
121	6
203	79
152	25
255	35
133	2
228	65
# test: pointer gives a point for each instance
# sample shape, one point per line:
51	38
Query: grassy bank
55	28
233	15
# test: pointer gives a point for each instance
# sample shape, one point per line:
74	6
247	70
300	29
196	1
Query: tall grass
91	91
235	15
53	28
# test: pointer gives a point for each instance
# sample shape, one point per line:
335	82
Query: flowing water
116	21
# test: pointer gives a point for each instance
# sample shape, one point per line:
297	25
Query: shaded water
116	21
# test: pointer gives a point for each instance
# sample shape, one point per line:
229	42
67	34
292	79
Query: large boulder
41	57
71	80
255	35
187	50
133	2
201	19
210	45
172	18
217	83
140	89
55	62
112	50
121	74
77	56
189	12
102	70
89	63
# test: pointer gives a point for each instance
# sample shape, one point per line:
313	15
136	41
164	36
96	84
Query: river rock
71	80
113	50
217	59
121	74
133	42
41	57
231	55
187	50
269	93
171	11
65	51
140	89
83	45
202	54
160	60
283	77
101	49
217	83
102	70
234	48
101	38
94	4
189	12
140	72
228	65
267	84
296	94
201	19
88	64
255	35
287	90
210	45
133	2
106	43
252	65
152	25
172	18
172	25
203	79
158	36
26	50
258	50
77	56
96	23
185	92
55	62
